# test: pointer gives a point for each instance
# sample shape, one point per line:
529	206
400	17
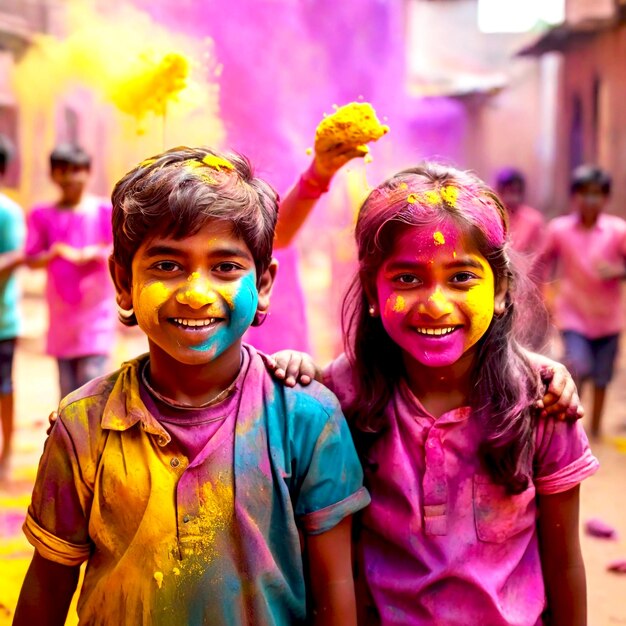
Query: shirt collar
124	407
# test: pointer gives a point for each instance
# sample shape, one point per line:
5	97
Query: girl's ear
371	294
502	289
122	281
265	285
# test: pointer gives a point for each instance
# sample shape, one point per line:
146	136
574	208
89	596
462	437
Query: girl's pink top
80	296
586	302
441	543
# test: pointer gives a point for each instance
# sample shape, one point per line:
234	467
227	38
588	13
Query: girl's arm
330	575
561	558
46	593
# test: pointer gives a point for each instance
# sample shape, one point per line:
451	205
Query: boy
588	250
185	478
11	239
72	239
526	224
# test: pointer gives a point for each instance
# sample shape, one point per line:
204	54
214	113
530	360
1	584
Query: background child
185	478
11	240
72	239
586	251
474	513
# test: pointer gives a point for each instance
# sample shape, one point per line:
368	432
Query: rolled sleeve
563	458
331	481
57	520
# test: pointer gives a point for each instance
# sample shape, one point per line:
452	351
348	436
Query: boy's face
195	297
511	195
589	201
71	179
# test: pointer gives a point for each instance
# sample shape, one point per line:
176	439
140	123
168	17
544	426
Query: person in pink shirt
72	239
475	493
586	251
526	224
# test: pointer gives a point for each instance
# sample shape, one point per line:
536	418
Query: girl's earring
372	310
124	313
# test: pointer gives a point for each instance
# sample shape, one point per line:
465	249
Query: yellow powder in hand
158	576
351	125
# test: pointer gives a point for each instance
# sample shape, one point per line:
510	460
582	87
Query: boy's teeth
186	322
435	331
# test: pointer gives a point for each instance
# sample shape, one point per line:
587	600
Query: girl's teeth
435	331
194	323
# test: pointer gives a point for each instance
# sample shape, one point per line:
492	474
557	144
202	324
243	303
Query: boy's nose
196	293
436	306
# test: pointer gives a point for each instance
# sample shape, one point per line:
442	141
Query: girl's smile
436	294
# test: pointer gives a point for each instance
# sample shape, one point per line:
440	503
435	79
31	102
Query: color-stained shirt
11	239
441	543
214	541
526	229
586	302
80	296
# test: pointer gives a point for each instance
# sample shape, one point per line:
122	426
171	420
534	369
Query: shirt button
175	462
186	518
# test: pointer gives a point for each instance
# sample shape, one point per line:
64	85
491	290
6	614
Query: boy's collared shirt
441	543
11	239
80	296
214	541
586	302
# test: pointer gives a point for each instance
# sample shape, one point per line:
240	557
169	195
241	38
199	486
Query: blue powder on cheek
242	314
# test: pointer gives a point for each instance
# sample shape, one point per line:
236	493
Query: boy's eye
227	267
166	266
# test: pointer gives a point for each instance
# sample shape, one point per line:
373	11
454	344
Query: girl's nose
436	306
196	292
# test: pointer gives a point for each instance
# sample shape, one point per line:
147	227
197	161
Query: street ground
603	495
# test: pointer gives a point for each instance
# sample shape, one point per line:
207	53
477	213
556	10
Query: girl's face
436	294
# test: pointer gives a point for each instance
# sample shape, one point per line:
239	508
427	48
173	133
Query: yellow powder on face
438	238
217	163
352	125
449	195
176	571
158	576
440	300
193	276
148	301
399	304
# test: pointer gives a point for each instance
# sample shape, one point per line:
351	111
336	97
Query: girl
474	514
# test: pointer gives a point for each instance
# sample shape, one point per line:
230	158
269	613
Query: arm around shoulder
46	593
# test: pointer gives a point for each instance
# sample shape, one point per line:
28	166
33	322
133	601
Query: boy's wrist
313	183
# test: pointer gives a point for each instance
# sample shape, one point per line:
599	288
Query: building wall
592	119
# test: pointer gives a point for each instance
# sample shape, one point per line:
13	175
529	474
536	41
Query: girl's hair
180	191
504	385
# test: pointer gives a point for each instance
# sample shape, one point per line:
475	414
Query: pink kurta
586	302
81	297
441	543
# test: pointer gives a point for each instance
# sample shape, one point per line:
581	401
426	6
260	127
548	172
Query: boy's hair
69	154
509	176
180	191
6	153
504	387
585	175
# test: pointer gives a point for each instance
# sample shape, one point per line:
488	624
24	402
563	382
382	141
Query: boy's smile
436	294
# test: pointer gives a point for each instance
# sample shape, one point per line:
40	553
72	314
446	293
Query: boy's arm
330	573
82	255
9	261
561	558
46	593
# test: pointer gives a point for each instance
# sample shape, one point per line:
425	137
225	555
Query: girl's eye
166	266
463	277
407	279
